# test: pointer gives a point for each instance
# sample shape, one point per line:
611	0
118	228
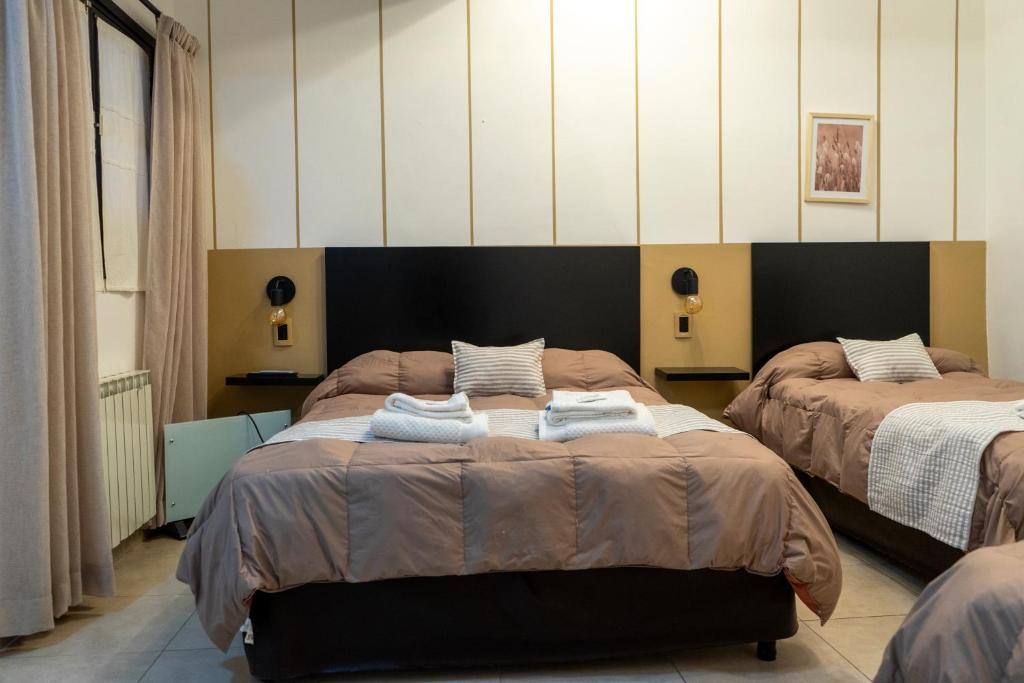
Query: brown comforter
968	624
807	406
331	510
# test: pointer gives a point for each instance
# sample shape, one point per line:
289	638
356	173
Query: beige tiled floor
149	632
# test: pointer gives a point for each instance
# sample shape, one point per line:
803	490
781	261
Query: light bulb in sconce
686	284
280	291
277	315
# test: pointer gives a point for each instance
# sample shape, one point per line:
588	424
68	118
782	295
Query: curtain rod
152	8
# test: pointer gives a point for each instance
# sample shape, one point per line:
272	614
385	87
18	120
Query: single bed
349	556
967	625
806	404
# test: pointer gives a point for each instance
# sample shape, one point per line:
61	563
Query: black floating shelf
300	380
701	374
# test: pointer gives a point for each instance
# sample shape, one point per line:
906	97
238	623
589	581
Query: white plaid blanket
669	419
925	461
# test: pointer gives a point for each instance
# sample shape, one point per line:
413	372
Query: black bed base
513	618
916	550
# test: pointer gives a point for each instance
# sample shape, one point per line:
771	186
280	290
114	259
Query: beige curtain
54	531
174	349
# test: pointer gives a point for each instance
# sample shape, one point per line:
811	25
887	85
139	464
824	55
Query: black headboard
421	298
804	292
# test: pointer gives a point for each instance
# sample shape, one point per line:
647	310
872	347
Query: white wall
1004	109
541	121
119	318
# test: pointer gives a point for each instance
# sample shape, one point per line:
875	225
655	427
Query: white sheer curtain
124	125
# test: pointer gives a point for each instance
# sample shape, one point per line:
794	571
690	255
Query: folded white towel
641	423
455	408
388	424
589	405
1020	409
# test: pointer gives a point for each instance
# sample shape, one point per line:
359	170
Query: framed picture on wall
840	155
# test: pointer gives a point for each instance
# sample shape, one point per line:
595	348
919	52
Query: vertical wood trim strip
636	111
878	121
383	144
956	120
209	84
295	125
554	189
469	100
799	118
721	222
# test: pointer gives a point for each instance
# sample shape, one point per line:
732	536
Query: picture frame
840	158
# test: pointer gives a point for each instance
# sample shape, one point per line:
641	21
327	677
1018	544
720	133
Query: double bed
347	556
807	406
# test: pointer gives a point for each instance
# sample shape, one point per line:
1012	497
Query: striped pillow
900	360
493	370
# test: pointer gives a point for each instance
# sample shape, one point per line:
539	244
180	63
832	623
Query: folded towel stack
575	414
566	406
1020	409
455	408
406	418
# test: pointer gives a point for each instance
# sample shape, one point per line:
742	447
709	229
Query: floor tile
141	624
653	670
105	668
861	640
804	613
853	552
77	619
193	637
199	666
803	658
869	592
900	574
143	573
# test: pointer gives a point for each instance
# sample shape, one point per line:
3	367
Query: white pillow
493	370
900	360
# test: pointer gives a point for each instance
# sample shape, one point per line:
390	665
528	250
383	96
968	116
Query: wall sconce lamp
686	285
280	291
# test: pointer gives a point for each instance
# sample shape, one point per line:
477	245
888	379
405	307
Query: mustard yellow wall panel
240	333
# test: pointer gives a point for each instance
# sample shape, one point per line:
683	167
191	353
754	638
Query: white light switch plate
682	321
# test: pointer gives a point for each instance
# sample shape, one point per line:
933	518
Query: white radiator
126	417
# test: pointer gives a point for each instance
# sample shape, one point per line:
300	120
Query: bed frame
576	297
804	292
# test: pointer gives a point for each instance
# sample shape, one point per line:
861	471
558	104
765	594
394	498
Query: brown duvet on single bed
968	624
327	510
807	406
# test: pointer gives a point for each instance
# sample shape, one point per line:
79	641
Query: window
120	59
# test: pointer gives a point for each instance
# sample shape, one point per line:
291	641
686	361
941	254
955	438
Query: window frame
108	11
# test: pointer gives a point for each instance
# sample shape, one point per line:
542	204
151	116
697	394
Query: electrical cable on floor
254	425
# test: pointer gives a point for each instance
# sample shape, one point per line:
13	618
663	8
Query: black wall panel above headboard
804	292
421	298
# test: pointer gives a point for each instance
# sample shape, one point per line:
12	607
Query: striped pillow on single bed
493	370
900	360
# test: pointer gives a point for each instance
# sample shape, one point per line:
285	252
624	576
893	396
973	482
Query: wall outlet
282	334
682	323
